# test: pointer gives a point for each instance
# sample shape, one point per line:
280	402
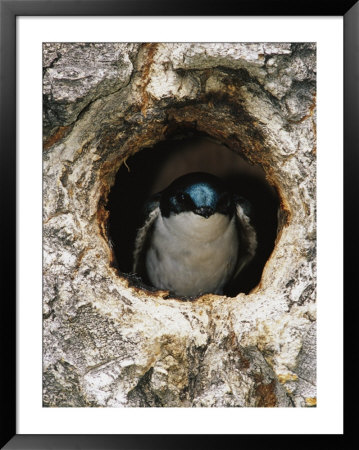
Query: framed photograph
174	180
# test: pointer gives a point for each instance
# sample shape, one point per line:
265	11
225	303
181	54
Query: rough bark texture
110	343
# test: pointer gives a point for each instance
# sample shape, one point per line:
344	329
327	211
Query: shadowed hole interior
153	169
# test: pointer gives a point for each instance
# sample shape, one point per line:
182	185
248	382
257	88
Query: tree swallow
196	237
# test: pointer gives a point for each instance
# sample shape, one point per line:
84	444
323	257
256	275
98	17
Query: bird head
201	193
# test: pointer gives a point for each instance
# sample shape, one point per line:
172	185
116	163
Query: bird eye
181	198
224	202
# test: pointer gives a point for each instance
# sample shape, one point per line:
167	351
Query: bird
196	236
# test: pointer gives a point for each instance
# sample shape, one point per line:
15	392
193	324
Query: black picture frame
9	10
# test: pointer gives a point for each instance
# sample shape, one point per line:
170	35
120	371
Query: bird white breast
191	255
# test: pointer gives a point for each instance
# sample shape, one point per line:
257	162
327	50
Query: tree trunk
111	342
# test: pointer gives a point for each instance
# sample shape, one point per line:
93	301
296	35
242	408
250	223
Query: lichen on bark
108	342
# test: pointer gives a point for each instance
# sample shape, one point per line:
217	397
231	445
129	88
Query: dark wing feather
247	235
150	213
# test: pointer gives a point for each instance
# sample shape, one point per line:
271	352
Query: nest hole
153	169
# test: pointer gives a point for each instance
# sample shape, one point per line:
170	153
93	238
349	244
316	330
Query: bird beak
204	211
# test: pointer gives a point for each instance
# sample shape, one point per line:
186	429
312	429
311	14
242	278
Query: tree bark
108	342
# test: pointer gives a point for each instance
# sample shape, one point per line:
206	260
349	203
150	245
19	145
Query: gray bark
109	343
